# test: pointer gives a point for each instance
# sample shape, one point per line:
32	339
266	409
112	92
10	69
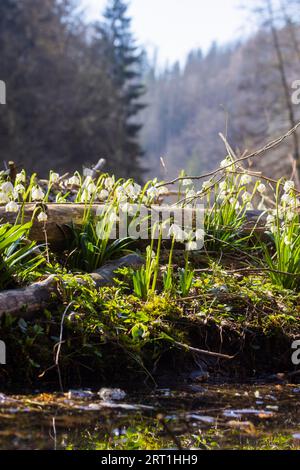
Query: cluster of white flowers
192	239
289	201
88	190
285	212
227	164
8	196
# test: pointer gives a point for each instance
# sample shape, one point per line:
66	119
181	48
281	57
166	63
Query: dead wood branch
203	351
24	302
61	216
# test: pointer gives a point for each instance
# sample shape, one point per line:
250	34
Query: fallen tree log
24	302
62	216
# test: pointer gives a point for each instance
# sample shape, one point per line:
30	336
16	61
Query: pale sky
177	26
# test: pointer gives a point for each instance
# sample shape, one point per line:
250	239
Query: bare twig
203	351
59	344
249	271
271	145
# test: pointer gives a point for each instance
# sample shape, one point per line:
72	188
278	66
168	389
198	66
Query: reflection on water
207	417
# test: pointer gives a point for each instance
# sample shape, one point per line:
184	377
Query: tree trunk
285	85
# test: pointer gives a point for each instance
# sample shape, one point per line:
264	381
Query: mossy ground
111	336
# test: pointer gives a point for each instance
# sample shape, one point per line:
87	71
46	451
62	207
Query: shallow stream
189	417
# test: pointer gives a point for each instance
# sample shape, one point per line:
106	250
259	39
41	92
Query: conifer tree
125	62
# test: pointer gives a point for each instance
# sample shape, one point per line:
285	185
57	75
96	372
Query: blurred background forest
82	90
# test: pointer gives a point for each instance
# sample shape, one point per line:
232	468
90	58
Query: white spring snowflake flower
287	241
222	196
121	194
206	185
271	220
223	186
42	217
261	188
227	164
246	197
163	190
103	195
54	178
74	181
19	188
152	192
187	182
7	187
15	195
109	183
190	194
289	186
89	185
133	190
191	246
289	200
246	179
199	234
4	198
92	188
177	232
85	196
37	194
12	206
290	215
20	177
234	202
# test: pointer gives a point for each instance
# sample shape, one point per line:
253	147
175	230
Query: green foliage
19	259
186	278
145	278
92	246
225	215
282	255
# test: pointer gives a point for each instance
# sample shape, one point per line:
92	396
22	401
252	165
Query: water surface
190	417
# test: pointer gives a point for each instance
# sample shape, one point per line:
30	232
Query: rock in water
111	394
